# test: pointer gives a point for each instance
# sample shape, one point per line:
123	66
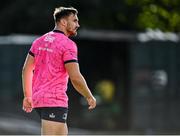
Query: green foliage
162	14
35	16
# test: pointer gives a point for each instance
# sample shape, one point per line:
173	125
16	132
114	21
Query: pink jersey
51	51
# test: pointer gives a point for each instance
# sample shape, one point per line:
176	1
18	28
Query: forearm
27	82
80	85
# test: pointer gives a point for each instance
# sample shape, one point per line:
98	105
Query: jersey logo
45	49
52	115
64	116
49	38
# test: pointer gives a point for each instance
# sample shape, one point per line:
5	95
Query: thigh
53	128
53	120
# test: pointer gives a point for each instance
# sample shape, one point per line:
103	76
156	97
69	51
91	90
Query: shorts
58	114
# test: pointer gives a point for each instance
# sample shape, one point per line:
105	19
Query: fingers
92	103
27	105
91	107
27	109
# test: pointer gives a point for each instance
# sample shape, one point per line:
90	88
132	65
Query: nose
78	25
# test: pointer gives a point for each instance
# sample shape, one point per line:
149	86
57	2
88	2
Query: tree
161	14
35	16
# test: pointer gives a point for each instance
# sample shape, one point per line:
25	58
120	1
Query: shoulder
71	43
40	38
67	43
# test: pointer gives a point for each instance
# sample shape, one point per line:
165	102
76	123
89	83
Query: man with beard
51	60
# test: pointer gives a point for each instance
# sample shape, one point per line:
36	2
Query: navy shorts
58	114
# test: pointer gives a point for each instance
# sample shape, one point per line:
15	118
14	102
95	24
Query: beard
72	32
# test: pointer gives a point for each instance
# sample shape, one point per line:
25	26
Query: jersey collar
58	31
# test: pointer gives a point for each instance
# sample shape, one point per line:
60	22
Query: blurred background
128	53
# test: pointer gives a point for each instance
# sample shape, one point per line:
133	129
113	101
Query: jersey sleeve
70	53
32	50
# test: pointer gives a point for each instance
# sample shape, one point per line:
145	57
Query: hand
27	104
91	102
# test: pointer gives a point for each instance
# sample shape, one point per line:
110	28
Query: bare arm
27	74
79	83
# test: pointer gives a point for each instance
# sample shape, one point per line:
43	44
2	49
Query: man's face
72	25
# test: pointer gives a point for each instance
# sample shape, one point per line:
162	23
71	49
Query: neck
61	29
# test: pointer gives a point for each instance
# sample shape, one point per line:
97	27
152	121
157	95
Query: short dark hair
62	12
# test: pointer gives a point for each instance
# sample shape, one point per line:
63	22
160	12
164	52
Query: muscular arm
27	74
79	83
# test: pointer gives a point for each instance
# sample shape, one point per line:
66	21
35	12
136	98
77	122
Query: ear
63	21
